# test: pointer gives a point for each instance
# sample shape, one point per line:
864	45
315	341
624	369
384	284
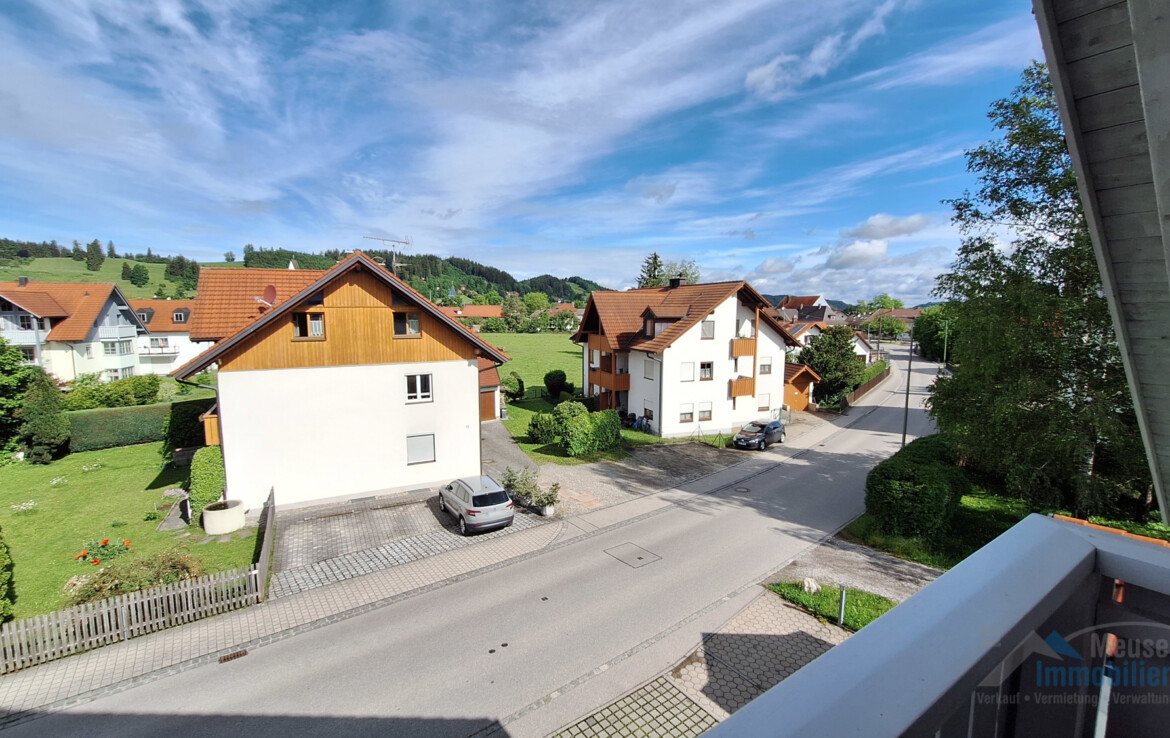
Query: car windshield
752	428
490	498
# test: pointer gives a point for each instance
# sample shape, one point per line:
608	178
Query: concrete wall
340	432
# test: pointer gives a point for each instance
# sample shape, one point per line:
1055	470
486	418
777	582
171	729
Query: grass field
534	354
68	270
111	500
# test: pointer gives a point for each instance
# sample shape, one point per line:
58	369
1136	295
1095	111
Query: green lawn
106	502
68	270
534	354
861	607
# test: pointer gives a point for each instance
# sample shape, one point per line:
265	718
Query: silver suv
480	503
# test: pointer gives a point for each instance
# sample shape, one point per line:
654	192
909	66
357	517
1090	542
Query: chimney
22	281
676	281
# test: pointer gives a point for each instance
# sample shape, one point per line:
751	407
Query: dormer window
648	327
308	326
144	317
179	316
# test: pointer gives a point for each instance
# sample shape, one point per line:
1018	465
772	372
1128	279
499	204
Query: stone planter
223	517
547	511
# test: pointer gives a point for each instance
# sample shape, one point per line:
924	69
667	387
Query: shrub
518	394
208	478
143	388
590	403
578	438
494	325
44	426
554	382
542	428
564	412
607	429
916	492
139	572
7	594
182	427
565	397
89	391
121	426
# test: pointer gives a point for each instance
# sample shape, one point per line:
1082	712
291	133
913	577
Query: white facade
669	385
342	432
109	349
159	353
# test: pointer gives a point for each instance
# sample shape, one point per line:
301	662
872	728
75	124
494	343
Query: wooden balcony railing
743	347
609	380
743	387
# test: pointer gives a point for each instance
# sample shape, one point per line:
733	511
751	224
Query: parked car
480	503
759	433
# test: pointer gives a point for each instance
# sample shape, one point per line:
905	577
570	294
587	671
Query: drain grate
631	555
233	656
743	489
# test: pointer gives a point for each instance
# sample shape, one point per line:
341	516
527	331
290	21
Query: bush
917	491
89	391
121	426
7	594
542	428
564	413
554	382
590	403
182	427
208	478
494	325
518	393
607	429
143	388
44	427
139	572
566	396
578	438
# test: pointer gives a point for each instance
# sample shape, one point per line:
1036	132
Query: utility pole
946	334
909	373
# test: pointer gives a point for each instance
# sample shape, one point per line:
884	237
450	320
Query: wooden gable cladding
359	329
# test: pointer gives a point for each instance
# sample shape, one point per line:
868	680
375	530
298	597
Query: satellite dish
270	294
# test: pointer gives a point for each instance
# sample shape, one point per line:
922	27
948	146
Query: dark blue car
758	434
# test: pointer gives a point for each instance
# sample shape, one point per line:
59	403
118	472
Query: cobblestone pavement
86	676
657	709
439	536
765	643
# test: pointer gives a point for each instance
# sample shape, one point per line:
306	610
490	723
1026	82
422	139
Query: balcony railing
616	382
115	332
743	347
743	387
158	350
21	338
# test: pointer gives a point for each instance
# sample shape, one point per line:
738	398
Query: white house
337	384
701	358
69	329
169	343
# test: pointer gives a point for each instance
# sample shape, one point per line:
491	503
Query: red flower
78	556
105	541
96	562
127	543
84	552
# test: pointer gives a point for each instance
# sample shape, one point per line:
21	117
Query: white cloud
855	254
887	226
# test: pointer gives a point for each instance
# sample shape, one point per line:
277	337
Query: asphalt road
500	653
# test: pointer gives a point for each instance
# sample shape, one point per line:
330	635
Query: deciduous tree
1038	396
831	355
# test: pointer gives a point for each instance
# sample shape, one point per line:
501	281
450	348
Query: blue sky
802	145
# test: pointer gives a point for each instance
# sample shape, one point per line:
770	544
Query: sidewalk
88	676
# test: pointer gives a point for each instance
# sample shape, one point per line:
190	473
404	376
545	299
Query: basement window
308	326
420	449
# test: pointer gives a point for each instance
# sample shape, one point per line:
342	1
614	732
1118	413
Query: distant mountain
928	304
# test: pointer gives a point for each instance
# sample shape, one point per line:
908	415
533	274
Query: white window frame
89	350
422	444
765	365
686	412
707	330
686	371
178	317
709	378
159	342
25	321
763	401
110	348
28	354
420	394
143	318
704	411
125	347
648	369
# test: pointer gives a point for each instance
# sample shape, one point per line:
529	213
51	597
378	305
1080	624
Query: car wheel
783	437
462	526
761	444
442	503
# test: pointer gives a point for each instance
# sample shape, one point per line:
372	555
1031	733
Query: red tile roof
164	313
797	301
620	314
226	304
78	304
226	298
792	371
474	311
563	306
899	313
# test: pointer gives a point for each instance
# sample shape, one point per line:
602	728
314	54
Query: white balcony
21	338
116	332
158	350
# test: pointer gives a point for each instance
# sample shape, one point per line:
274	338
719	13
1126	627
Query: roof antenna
269	296
395	264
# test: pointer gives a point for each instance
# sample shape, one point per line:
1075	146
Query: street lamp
909	372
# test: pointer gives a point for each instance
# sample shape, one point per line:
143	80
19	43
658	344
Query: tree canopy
879	302
1038	397
831	355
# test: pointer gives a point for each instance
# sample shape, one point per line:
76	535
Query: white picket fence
42	638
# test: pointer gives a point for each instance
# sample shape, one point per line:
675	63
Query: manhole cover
743	489
631	555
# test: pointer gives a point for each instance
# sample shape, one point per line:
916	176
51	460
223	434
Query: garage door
487	405
794	398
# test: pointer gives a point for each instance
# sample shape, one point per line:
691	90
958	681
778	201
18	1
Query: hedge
916	492
7	594
182	426
542	428
91	430
208	478
587	433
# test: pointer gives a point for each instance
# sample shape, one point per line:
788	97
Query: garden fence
42	638
860	392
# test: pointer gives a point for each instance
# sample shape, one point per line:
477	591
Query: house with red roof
169	343
689	358
71	328
338	383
